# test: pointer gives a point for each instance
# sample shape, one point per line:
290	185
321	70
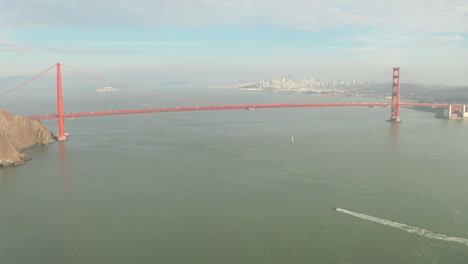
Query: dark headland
19	134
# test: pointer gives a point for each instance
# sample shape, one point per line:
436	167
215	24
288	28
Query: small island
19	134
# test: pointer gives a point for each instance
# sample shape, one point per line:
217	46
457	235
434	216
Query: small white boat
106	89
292	139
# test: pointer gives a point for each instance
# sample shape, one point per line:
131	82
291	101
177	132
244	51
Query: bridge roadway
225	107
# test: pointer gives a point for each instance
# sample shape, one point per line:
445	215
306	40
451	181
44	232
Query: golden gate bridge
395	104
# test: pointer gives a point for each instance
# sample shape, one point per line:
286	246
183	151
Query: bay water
231	187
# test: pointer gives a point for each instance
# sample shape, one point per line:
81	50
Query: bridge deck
225	107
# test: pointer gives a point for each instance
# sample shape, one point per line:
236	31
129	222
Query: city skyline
238	40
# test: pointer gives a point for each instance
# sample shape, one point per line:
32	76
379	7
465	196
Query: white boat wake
404	227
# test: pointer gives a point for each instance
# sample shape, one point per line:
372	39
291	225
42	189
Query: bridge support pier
395	109
456	111
61	136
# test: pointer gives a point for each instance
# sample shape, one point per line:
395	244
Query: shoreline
24	158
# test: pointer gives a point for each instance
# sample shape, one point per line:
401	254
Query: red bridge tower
395	114
62	136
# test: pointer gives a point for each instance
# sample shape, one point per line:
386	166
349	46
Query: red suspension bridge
395	104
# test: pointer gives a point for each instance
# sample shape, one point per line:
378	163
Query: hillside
19	134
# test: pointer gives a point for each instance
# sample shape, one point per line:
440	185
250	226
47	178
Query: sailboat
292	139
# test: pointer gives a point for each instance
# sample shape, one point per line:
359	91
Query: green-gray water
231	187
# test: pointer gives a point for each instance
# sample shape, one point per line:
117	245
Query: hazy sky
239	39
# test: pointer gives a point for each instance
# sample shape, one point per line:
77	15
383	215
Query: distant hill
455	95
417	93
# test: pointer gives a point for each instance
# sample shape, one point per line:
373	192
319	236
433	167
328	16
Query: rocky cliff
19	134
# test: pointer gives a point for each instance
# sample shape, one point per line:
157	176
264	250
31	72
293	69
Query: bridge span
450	111
225	107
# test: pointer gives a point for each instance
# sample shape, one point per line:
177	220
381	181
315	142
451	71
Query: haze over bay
295	185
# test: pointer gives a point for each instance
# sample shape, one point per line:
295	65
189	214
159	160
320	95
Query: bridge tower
62	136
395	112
